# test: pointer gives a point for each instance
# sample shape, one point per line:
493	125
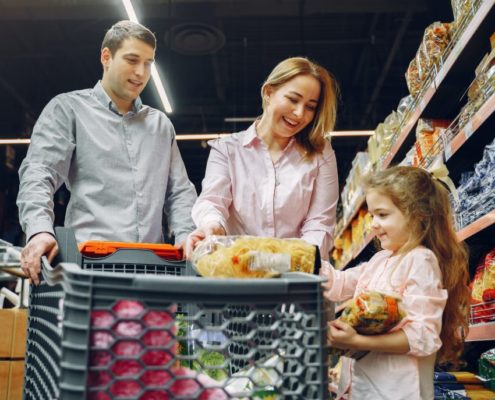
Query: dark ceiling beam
386	67
363	54
17	96
112	9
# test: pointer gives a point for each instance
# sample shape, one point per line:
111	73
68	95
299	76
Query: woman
278	178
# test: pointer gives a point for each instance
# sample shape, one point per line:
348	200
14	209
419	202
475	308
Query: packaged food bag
371	313
253	257
486	365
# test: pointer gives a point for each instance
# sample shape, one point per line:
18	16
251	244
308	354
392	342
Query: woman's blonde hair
424	201
311	138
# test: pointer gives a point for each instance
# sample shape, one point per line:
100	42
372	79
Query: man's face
127	72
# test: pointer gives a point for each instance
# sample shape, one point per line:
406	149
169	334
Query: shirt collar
251	136
106	101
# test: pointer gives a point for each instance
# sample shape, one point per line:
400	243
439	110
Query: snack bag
371	313
253	257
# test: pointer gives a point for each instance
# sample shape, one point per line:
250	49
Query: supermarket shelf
408	127
359	204
466	232
485	111
367	240
432	93
477	226
479	332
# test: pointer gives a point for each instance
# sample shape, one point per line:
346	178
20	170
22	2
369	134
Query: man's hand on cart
39	245
199	234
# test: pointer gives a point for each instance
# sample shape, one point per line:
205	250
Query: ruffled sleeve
424	300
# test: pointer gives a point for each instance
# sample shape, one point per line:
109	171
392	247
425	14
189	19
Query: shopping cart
43	346
147	336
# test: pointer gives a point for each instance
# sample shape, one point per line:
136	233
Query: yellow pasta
255	257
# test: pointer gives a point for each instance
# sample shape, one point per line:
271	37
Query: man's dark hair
123	30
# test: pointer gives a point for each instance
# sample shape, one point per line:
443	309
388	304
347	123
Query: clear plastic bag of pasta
253	257
371	313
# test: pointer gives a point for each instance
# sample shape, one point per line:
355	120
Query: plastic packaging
252	257
371	313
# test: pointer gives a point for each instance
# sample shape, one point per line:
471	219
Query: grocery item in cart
253	257
114	348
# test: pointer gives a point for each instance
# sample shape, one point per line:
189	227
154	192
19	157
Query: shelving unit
440	99
481	332
485	112
477	226
445	84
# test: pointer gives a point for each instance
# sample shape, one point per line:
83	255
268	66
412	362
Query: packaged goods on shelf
482	87
487	368
462	385
477	189
428	134
413	81
352	192
435	40
483	291
462	8
342	253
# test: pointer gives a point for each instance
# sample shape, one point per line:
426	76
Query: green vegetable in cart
208	358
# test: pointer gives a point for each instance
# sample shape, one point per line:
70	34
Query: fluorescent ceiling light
240	119
187	136
208	136
15	141
200	136
350	133
154	72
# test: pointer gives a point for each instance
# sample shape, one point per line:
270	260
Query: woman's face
292	106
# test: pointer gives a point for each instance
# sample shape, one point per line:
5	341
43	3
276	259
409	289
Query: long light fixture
350	133
154	72
208	136
187	136
15	141
239	119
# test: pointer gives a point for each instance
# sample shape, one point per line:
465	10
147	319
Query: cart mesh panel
43	346
125	338
42	362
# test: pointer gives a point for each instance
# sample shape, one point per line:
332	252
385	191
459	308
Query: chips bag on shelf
371	313
253	257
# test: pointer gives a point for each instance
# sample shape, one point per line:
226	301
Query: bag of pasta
371	313
253	257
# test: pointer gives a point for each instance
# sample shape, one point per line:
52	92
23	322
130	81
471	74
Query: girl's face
292	106
389	224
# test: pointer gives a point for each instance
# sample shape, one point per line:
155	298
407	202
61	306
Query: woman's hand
342	335
201	233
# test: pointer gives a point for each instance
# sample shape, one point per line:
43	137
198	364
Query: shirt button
140	194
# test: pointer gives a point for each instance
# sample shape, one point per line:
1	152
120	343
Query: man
118	157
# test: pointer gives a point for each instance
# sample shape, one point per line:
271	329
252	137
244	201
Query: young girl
424	264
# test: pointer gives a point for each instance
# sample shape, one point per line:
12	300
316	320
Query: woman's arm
212	206
319	223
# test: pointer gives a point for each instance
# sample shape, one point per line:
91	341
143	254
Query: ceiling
213	56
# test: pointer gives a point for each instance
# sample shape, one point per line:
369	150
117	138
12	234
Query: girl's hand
342	335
